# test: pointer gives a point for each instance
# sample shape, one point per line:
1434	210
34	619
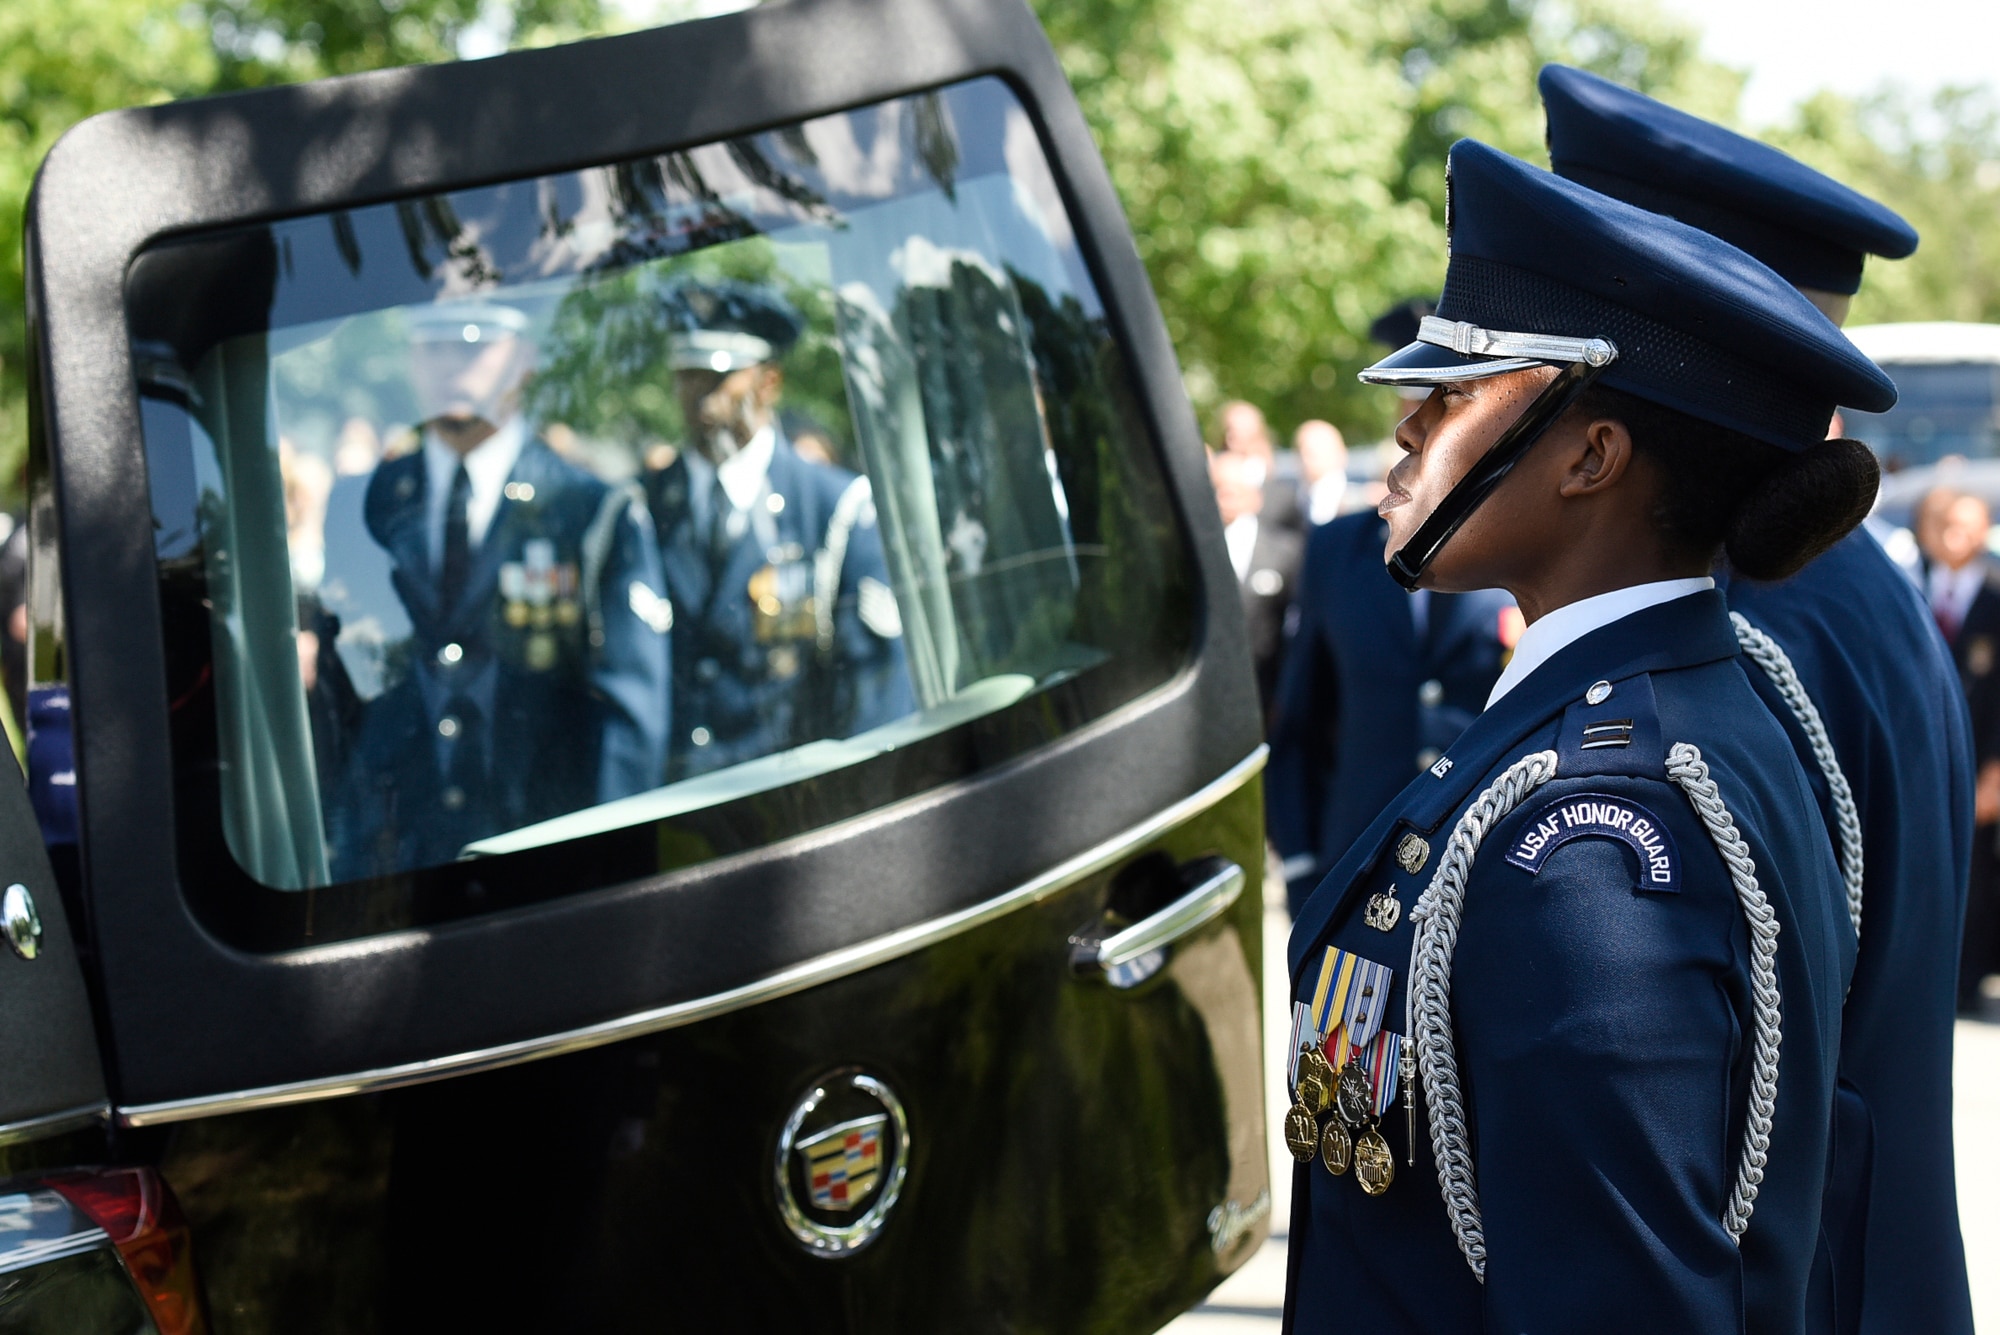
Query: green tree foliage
60	61
262	42
1282	161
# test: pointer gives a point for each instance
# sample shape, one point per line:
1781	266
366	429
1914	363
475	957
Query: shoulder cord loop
852	508
1427	1000
1427	1014
1686	768
1766	653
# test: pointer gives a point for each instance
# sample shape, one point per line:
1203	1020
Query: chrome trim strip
44	1250
54	1124
826	968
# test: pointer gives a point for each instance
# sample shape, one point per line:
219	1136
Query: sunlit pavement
1251	1302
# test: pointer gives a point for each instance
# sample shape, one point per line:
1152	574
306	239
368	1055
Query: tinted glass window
523	539
1940	410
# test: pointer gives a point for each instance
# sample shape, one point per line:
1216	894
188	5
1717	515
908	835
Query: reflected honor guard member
1540	1005
1883	687
1376	683
536	685
787	631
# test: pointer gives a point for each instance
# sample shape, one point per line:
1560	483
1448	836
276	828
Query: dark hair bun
1802	507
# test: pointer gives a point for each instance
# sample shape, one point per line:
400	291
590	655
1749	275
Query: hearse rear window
530	538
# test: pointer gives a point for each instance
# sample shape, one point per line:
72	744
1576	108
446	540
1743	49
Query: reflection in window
522	514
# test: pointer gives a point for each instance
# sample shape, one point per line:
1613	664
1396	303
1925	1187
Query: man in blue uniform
536	677
1376	682
786	629
1574	949
1874	663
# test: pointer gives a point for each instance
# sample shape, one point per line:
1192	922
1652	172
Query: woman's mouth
1396	497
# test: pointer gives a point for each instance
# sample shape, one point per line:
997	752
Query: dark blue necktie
457	564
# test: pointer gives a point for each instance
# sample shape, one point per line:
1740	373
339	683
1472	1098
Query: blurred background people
1322	453
1266	560
1962	582
786	629
1242	430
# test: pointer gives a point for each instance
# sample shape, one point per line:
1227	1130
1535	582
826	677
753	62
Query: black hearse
363	986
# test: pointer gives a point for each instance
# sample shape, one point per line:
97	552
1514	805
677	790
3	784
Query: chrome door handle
1208	900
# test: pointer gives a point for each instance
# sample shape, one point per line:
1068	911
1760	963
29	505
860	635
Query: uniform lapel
1682	633
393	511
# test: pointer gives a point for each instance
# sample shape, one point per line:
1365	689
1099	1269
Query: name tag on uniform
1601	816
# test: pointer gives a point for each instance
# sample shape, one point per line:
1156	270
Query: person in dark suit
787	631
535	681
1377	684
1881	682
1963	585
1266	560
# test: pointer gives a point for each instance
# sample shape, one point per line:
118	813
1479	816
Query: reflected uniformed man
1872	660
1377	684
537	676
786	629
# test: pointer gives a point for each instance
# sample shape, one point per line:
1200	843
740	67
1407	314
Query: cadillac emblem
840	1162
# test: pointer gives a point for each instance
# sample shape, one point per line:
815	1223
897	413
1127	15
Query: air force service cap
725	325
1544	271
1809	227
464	321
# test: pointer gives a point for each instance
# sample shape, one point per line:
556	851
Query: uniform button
450	654
1598	693
520	491
448	727
775	503
1431	694
708	669
1428	757
452	797
701	737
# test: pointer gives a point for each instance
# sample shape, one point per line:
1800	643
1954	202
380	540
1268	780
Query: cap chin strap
1408	564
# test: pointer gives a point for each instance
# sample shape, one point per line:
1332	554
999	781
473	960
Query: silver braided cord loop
1427	1014
1766	653
1686	768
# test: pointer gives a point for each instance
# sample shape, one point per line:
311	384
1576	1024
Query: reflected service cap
1545	271
464	322
1809	227
725	325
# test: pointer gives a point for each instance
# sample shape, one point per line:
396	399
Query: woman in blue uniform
1566	1016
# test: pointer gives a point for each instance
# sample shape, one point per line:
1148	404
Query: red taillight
144	1221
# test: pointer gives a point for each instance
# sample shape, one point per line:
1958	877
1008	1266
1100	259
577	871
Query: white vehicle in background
1945	426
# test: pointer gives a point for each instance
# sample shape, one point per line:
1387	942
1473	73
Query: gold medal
1301	1133
1354	1100
1336	1147
1313	1095
1374	1165
1313	1062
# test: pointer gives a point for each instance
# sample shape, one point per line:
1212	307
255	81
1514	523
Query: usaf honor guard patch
1602	816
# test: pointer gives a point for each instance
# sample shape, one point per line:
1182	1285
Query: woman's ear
1599	458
